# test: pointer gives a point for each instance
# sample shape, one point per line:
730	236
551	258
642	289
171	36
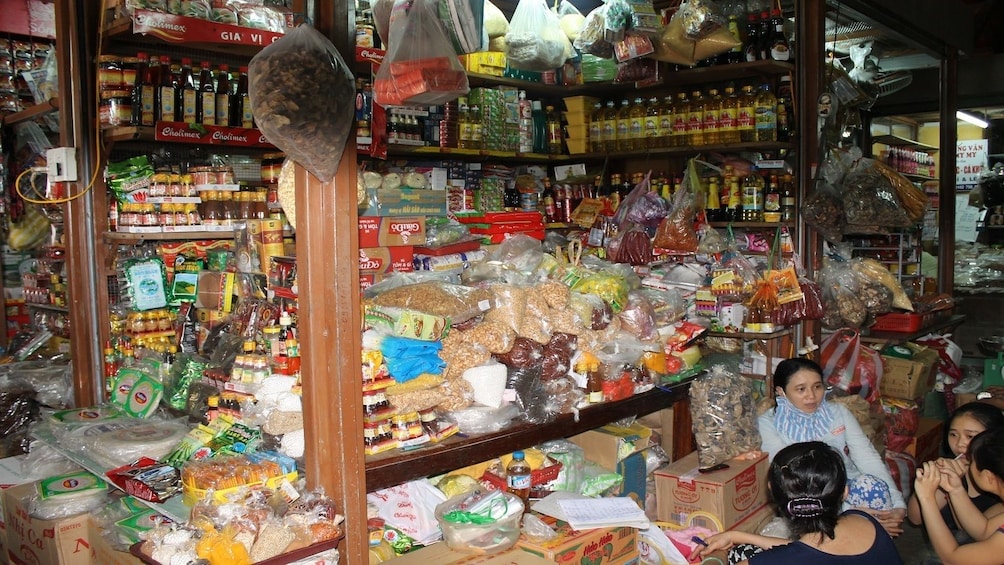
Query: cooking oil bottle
766	115
747	115
728	117
681	113
652	112
695	123
712	116
610	127
636	124
624	142
596	128
666	122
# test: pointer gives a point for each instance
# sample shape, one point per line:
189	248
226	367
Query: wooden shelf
395	467
900	337
191	134
31	113
897	141
751	225
137	238
49	307
751	335
161	28
471	154
691	150
918	178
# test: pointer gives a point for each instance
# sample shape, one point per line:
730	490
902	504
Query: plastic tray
903	323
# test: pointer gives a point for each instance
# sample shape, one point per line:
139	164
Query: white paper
549	505
966	217
603	512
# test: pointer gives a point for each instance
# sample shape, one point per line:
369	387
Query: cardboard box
440	554
730	495
103	553
760	517
908	379
10	474
661	423
926	446
601	546
404	202
391	231
379	260
608	445
53	542
964	398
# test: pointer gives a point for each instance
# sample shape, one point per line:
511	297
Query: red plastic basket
903	323
538	477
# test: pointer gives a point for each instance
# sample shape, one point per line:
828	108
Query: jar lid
109	59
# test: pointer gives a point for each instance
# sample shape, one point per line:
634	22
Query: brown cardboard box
601	546
730	495
610	444
10	475
908	379
964	398
440	554
50	542
377	231
103	553
661	423
926	446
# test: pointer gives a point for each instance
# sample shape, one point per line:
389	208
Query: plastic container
481	538
902	323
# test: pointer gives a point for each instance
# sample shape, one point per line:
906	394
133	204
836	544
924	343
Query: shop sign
209	135
970	161
184	29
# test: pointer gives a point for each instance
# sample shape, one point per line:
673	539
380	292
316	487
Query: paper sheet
603	512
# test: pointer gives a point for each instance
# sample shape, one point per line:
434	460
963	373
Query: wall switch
62	164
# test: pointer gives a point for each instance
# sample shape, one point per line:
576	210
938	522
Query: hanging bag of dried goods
420	68
871	204
535	41
823	210
721	406
592	38
676	232
302	96
850	366
695	32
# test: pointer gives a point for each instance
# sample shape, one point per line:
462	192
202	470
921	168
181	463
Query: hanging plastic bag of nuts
302	96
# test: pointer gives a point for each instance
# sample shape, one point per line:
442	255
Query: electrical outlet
62	164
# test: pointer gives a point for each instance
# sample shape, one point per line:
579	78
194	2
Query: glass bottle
652	112
259	207
712	118
223	96
772	201
243	204
594	383
165	91
555	138
241	115
230	212
548	200
753	197
596	128
764	33
636	124
747	115
788	210
728	117
766	115
713	205
624	142
751	49
779	49
783	120
205	104
610	127
735	207
143	92
695	119
186	94
518	478
666	122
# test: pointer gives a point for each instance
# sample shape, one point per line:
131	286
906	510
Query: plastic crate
902	323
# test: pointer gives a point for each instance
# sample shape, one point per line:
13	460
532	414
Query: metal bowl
992	345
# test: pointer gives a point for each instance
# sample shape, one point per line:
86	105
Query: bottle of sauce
751	49
788	210
713	201
636	124
240	115
735	208
764	33
695	119
735	55
205	102
772	201
712	118
779	49
681	113
596	128
143	92
165	91
243	204
747	115
186	94
549	204
518	479
610	127
728	117
212	213
259	207
223	96
594	382
766	115
624	142
229	207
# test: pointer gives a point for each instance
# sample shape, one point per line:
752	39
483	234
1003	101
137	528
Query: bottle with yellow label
695	121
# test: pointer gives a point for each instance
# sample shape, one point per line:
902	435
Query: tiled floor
914	548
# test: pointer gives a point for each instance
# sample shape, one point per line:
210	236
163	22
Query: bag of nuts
303	99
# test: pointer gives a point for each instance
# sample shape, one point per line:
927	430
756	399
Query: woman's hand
952	471
927	482
722	541
891	520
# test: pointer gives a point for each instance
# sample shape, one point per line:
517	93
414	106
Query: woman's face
805	390
961	431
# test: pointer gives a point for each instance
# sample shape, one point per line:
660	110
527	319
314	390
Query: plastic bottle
728	117
610	127
223	96
624	142
518	479
555	138
681	113
636	124
525	124
205	103
695	119
666	122
752	197
185	96
539	127
747	115
652	114
766	115
712	118
596	128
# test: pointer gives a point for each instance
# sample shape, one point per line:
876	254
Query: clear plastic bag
695	32
421	67
676	232
724	416
823	210
535	41
592	38
638	317
303	98
871	203
458	303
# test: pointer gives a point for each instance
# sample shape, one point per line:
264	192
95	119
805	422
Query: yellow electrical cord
97	141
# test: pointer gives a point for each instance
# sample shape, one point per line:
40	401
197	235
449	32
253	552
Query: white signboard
966	218
970	161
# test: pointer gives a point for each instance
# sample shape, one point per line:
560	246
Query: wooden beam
946	169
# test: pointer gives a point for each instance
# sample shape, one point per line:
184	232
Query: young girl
808	482
967	422
803	414
986	470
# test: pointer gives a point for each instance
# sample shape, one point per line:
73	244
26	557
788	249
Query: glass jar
110	72
115	108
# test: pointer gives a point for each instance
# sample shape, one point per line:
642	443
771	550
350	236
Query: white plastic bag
535	41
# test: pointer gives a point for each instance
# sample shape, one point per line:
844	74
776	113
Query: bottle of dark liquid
185	95
751	49
205	103
713	206
764	33
568	202
788	210
549	205
518	479
772	201
240	113
779	49
223	96
143	92
165	92
510	196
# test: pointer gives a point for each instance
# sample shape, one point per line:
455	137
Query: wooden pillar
946	179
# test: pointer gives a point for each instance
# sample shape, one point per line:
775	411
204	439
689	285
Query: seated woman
803	414
986	471
967	422
808	481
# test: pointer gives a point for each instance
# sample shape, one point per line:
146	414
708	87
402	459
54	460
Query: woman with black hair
808	482
986	471
967	422
802	414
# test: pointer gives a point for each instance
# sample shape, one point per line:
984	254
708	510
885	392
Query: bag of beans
303	99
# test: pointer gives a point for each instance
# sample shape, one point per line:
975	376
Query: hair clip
805	507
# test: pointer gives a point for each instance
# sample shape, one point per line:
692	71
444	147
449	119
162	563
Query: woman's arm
863	453
729	538
986	552
913	507
770	439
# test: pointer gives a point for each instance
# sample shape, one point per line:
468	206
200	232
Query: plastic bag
873	270
724	416
570	19
823	210
458	303
913	199
495	23
871	203
535	41
420	68
303	98
592	38
850	366
638	317
676	232
695	32
712	242
631	246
